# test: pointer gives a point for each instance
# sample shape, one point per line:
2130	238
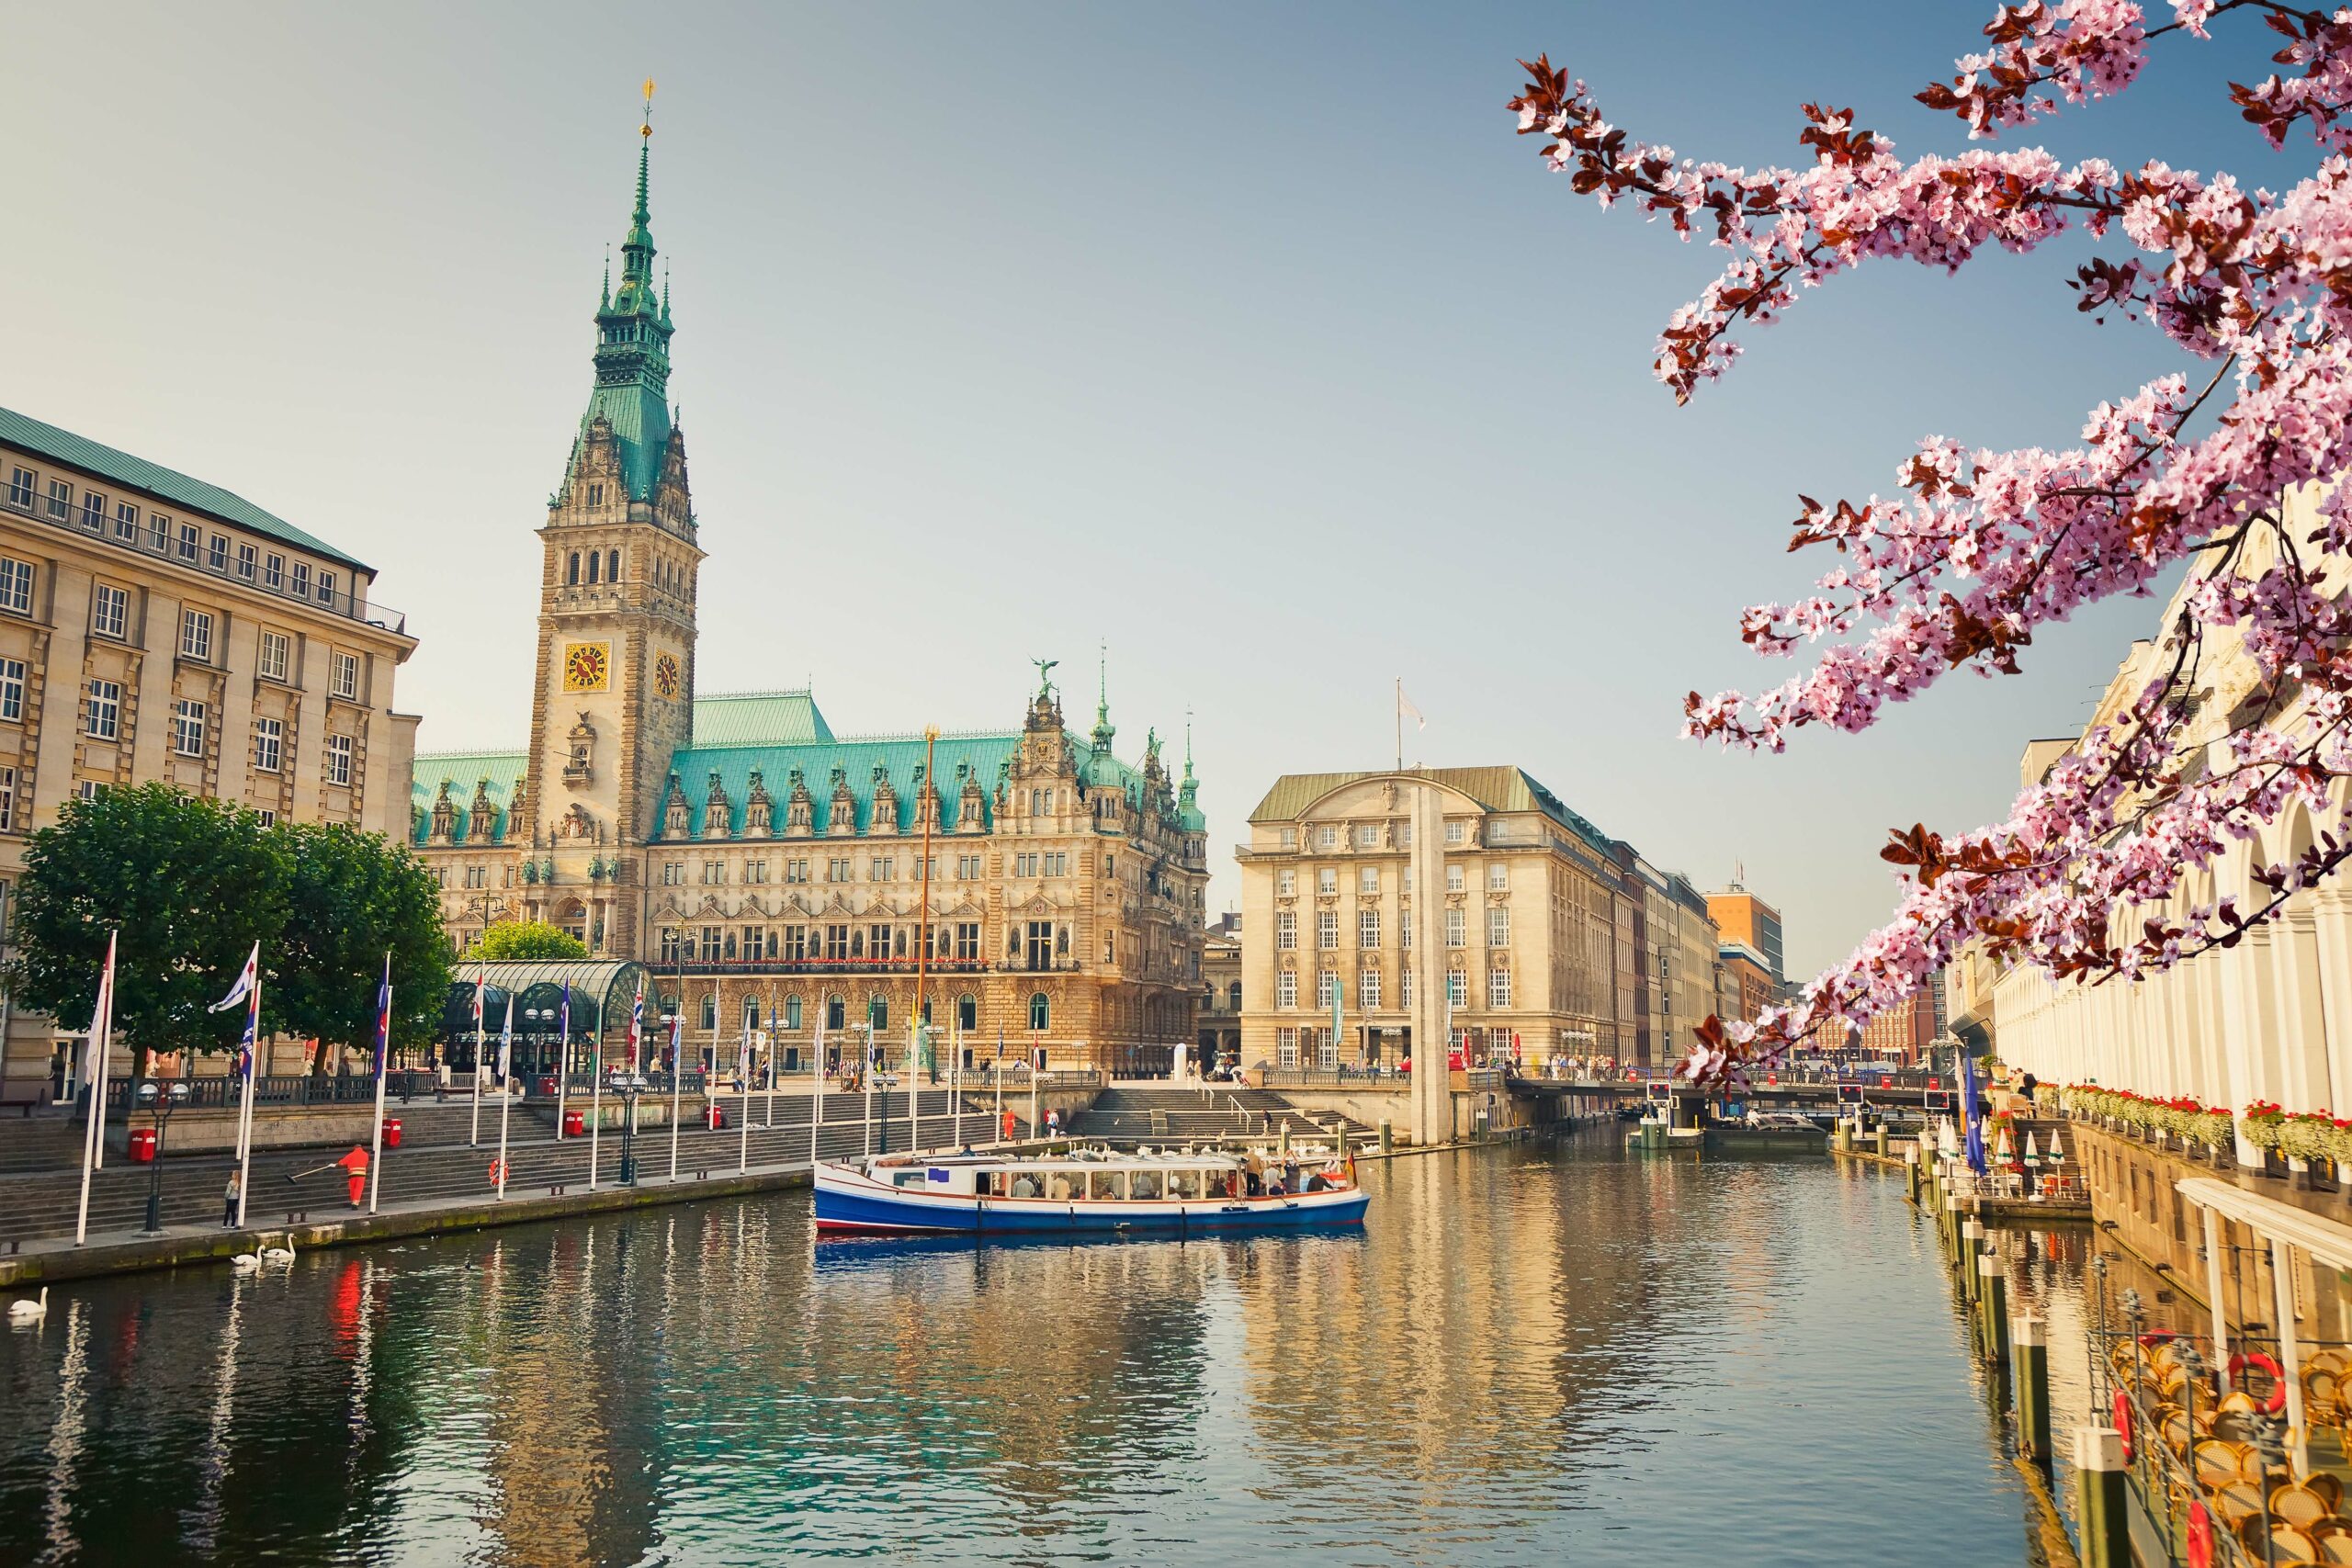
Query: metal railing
143	541
1334	1078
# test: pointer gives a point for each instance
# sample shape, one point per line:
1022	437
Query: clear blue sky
1249	339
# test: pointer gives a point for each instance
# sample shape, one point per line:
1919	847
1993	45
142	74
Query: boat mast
927	806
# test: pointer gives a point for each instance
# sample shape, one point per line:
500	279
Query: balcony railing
83	523
671	965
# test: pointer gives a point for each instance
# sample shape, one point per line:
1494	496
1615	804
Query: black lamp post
628	1086
159	1105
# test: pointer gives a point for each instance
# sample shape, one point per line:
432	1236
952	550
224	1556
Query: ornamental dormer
676	817
483	815
885	818
756	808
717	811
971	805
445	818
842	818
800	808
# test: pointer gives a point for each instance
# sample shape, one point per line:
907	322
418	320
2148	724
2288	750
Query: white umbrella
2031	1156
1947	1141
2056	1154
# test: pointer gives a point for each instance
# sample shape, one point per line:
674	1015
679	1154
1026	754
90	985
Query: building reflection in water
1527	1349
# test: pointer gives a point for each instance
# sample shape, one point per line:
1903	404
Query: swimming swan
26	1309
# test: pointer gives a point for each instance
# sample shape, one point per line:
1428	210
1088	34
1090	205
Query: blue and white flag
564	1019
637	1031
384	1019
506	1042
1969	1118
247	990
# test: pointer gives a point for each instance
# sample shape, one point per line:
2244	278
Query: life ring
2278	1400
497	1171
2200	1535
2123	1421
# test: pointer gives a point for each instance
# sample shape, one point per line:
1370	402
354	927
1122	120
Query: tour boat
1082	1190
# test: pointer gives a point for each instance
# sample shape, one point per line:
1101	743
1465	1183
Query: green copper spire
633	332
1102	728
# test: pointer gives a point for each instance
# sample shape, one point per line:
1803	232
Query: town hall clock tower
614	698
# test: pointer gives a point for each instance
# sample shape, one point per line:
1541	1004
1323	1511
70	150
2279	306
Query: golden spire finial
646	128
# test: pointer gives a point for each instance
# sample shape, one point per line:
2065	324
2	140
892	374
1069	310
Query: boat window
1144	1184
1104	1184
1024	1185
1183	1184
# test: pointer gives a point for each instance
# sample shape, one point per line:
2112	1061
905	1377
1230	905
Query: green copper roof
856	759
464	771
760	719
1496	789
633	357
30	435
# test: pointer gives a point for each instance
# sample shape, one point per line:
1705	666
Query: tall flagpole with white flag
677	1075
246	991
383	1067
817	1107
94	1074
481	982
506	1089
1404	706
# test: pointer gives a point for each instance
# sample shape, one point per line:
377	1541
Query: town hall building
767	868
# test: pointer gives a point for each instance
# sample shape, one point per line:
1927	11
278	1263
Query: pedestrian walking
441	1081
228	1203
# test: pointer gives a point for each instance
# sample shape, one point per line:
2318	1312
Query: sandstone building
154	627
765	866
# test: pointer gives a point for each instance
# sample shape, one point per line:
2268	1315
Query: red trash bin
718	1117
143	1144
391	1132
575	1124
547	1087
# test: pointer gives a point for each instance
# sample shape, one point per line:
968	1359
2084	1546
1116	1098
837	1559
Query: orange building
1741	917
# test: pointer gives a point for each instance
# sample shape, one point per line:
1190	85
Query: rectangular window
60	500
12	690
125	522
217	556
1285	989
87	788
326	588
840	870
248	561
7	800
968	868
1285	930
188	727
275	647
94	512
877	942
1368	836
1287	882
713	938
102	714
339	759
1404	989
967	942
1288	838
346	675
269	745
1498	927
1498	988
1455	880
301	579
1327	987
836	943
1368	881
1286	1046
714	872
1057	863
1497	877
1327	930
20	487
880	868
16	586
1408	879
109	611
191	541
1327	879
268	818
1025	863
1367	928
755	871
796	870
196	636
1368	988
1457	987
159	532
1326	837
273	571
1457	933
1454	832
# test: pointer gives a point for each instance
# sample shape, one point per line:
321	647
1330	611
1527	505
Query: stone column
2332	933
2302	1030
1432	1096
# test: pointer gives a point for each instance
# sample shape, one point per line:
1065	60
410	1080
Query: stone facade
1536	921
768	868
154	627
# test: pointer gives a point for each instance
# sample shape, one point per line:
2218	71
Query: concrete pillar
2302	1023
2102	1498
2030	1361
2332	937
1993	1298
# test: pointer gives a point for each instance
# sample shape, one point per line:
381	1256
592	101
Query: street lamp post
628	1086
160	1106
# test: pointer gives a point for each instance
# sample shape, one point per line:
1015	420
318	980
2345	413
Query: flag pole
677	1073
1400	724
481	982
563	1061
996	1121
774	1036
743	1151
94	1074
253	1070
596	1095
105	1048
383	1067
817	1110
505	1089
955	1083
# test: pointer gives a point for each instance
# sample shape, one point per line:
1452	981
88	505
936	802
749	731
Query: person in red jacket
354	1167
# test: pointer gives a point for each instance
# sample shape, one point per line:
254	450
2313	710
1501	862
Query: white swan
26	1309
246	1262
277	1255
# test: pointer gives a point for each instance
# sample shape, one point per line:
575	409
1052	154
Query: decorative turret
633	331
1103	731
757	807
717	811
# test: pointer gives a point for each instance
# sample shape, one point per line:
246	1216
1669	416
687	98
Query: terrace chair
2218	1468
2298	1506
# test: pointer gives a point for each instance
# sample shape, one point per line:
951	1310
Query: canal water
1534	1354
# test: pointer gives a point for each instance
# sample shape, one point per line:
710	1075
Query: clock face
665	675
587	666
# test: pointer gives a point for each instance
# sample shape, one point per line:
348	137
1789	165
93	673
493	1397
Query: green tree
526	939
352	898
191	884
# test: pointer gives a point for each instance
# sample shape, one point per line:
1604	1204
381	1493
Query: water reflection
1529	1353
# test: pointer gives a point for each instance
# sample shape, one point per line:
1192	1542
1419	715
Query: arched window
836	1012
612	567
592	562
792	1012
710	1011
926	1013
1041	1012
878	1012
572	574
750	1013
1233	996
967	1012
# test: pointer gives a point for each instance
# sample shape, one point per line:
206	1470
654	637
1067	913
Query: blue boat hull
862	1213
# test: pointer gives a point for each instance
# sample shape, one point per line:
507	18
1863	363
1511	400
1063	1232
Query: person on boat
1275	1189
1025	1186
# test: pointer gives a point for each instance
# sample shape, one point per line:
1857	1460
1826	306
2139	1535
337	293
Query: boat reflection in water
1084	1191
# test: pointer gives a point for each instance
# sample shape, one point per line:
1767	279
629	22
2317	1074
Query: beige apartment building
1539	922
157	626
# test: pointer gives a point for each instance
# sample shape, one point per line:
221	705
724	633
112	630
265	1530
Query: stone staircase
39	1204
1128	1115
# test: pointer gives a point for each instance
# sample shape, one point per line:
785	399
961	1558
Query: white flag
1405	709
